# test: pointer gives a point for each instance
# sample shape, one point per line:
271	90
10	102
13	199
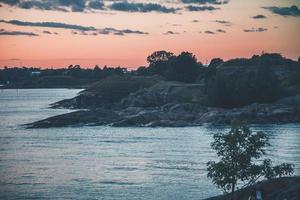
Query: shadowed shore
277	189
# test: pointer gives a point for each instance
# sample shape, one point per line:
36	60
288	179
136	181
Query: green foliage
183	68
114	88
243	88
239	151
159	56
264	59
67	77
293	79
271	172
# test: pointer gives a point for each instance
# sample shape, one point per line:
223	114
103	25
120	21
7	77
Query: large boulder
165	92
108	92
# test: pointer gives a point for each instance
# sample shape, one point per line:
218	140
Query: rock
163	93
275	189
176	114
84	117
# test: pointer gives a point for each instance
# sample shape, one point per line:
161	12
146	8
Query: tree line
223	86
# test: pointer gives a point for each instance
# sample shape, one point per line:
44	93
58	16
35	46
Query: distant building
35	73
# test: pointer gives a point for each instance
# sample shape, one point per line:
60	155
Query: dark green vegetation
234	83
177	90
114	88
183	68
71	77
274	189
240	153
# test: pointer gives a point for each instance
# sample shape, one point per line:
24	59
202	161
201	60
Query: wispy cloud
216	2
81	29
214	32
221	31
209	32
47	32
140	7
201	8
255	30
171	33
118	5
224	22
97	5
59	5
284	11
259	17
49	24
17	33
114	31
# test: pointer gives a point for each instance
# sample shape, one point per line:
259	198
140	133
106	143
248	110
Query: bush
114	88
243	88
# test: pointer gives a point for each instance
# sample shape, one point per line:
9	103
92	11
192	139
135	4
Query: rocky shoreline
286	110
275	189
262	90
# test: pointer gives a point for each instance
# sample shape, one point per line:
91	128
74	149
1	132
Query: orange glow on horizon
131	50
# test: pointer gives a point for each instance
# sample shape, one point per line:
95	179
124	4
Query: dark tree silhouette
240	151
215	62
184	68
159	56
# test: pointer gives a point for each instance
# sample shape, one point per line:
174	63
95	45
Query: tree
215	62
184	68
159	56
239	151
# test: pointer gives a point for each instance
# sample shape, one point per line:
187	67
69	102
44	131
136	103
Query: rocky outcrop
285	110
77	118
275	189
130	100
164	93
108	92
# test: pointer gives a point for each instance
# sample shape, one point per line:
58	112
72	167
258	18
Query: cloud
49	25
255	30
259	17
94	34
170	33
10	2
284	11
97	5
221	31
59	5
209	32
215	2
77	29
201	8
226	23
17	33
107	31
47	32
119	5
140	7
261	29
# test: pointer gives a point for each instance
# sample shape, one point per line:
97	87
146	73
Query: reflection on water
110	163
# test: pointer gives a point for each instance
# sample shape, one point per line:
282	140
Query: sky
58	33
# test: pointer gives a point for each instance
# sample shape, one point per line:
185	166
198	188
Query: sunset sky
57	33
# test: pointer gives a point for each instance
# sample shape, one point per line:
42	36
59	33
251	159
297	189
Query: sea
109	163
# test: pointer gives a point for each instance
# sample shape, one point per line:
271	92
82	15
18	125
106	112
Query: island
177	91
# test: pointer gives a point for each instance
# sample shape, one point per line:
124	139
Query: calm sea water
106	162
